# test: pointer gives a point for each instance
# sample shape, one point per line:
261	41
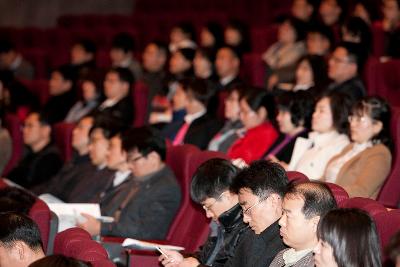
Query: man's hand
92	225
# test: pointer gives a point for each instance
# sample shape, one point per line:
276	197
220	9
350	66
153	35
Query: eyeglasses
358	119
207	208
132	160
340	60
248	210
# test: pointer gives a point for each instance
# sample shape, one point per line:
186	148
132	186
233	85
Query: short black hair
211	179
357	54
262	178
43	118
6	46
59	261
357	27
299	104
124	75
145	139
66	72
16	200
257	98
318	198
323	30
88	45
123	41
299	26
234	51
201	89
188	29
108	126
19	227
216	31
162	47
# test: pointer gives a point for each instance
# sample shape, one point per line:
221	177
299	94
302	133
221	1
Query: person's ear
262	113
377	127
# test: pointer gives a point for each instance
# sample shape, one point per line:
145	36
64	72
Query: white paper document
138	244
70	214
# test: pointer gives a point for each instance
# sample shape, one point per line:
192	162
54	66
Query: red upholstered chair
297	176
61	239
263	37
369	205
253	69
39	87
62	133
13	125
388	223
339	193
41	214
390	192
140	99
38	58
378	39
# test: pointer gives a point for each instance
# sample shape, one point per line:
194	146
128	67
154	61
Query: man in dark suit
144	205
117	89
227	65
303	206
42	159
11	59
260	188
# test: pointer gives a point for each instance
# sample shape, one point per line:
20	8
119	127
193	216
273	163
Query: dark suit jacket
200	131
36	168
354	88
122	111
57	107
258	250
285	153
150	211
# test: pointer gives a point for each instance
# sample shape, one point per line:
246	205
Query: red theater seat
339	193
140	99
14	127
297	176
371	206
62	133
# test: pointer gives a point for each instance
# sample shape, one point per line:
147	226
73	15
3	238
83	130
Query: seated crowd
313	116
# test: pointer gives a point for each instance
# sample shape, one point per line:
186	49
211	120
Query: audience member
62	94
347	237
332	12
77	168
345	66
6	148
118	103
227	66
228	134
211	36
328	137
304	205
20	242
181	63
281	57
97	178
11	59
90	98
304	10
182	35
15	97
320	40
257	112
121	54
367	10
83	54
356	30
393	249
294	120
362	166
237	35
203	64
59	261
391	27
198	126
42	159
260	188
146	205
14	199
210	188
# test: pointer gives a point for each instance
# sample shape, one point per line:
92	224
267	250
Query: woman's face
178	63
232	36
322	119
249	117
284	119
232	107
323	255
363	128
286	33
391	10
179	100
202	66
361	12
304	74
206	38
89	90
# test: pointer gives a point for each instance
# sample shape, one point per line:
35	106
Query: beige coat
364	174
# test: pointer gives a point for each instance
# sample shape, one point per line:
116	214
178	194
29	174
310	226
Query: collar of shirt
124	63
320	139
227	79
291	256
17	61
189	118
108	103
120	177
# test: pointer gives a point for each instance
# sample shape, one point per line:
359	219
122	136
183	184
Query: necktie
180	136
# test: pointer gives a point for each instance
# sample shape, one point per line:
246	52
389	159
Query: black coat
354	88
122	112
57	107
149	212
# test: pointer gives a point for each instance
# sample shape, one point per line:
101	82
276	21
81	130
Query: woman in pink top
257	110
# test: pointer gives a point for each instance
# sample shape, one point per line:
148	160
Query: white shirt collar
120	177
189	118
108	103
17	61
224	81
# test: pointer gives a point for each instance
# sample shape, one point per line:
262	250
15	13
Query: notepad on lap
138	244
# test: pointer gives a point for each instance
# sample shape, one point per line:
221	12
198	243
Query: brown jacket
364	174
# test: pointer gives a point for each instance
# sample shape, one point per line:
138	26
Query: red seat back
13	125
62	133
40	213
371	206
388	224
253	69
339	193
390	192
140	99
297	176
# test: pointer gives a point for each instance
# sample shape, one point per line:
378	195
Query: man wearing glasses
260	188
345	64
210	188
